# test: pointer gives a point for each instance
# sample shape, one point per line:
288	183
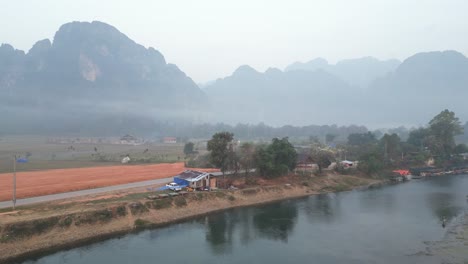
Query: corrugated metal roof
192	176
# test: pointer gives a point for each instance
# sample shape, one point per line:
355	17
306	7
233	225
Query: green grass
57	156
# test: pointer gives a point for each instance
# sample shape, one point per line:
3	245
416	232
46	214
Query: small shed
193	179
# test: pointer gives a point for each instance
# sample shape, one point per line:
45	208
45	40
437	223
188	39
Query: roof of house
192	176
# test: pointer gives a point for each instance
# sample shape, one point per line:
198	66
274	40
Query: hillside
417	89
91	71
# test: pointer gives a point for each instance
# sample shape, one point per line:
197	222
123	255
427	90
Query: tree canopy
444	127
276	159
221	148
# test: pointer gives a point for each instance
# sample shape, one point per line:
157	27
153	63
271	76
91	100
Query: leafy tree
371	163
329	138
220	146
276	159
188	148
359	139
246	156
322	157
444	127
461	148
391	145
419	137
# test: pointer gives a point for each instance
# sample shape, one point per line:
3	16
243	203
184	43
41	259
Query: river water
390	224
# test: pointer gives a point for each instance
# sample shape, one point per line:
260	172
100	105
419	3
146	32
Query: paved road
58	196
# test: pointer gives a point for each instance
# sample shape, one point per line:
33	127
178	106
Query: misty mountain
276	97
91	69
356	72
422	86
418	89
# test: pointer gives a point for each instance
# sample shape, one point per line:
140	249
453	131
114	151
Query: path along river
390	224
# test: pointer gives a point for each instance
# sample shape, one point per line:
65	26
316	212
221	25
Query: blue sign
22	160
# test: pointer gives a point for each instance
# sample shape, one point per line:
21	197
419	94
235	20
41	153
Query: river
390	224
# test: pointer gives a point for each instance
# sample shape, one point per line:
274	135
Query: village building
169	140
196	180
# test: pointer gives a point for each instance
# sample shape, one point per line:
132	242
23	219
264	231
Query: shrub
137	208
121	210
141	223
162	203
65	222
180	201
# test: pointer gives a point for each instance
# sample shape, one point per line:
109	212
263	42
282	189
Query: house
169	140
347	164
195	179
304	162
128	139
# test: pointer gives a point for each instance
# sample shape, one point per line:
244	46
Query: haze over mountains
91	72
93	77
356	72
365	91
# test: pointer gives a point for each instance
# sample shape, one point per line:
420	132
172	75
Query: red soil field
37	183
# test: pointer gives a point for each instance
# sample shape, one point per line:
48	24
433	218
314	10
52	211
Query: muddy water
390	224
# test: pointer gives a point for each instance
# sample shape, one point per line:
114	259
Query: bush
137	208
141	223
65	222
162	203
121	210
180	201
231	198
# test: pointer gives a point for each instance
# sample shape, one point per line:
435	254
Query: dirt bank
454	248
36	183
49	227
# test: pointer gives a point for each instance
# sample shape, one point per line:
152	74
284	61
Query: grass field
46	155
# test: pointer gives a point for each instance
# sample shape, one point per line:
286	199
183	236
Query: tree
246	156
391	146
188	148
359	139
419	137
220	147
329	138
322	157
276	159
444	127
370	163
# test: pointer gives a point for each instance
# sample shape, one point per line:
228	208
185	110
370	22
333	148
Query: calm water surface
384	225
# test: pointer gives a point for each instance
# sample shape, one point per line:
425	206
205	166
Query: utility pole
14	183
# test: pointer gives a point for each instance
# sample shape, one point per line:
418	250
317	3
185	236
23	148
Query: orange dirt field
37	183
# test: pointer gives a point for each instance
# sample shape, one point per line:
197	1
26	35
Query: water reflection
276	221
443	205
322	208
219	233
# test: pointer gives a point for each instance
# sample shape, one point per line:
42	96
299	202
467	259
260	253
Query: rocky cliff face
94	62
91	71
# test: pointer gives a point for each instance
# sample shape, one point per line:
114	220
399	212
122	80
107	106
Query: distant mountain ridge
357	72
93	78
380	93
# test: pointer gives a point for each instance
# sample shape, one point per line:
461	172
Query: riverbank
42	229
454	248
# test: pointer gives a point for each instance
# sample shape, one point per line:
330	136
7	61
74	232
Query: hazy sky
209	39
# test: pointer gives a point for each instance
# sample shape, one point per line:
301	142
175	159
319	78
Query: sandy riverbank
454	248
46	228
